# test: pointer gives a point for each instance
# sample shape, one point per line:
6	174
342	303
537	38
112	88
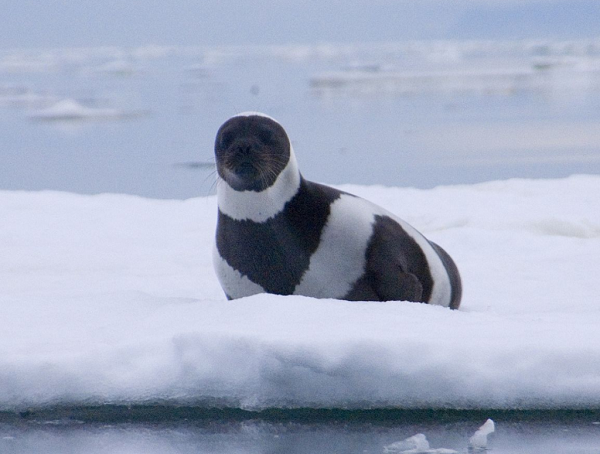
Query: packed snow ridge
112	299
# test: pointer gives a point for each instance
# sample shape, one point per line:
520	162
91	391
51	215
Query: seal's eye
226	139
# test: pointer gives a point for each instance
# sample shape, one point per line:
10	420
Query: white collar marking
263	205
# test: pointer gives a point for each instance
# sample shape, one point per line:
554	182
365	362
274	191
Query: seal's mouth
244	162
243	172
245	169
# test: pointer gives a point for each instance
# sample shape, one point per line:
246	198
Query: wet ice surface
549	435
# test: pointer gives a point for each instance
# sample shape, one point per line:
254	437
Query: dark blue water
190	431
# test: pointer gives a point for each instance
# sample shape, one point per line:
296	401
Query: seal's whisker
215	182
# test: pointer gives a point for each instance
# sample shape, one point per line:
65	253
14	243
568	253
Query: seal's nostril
244	150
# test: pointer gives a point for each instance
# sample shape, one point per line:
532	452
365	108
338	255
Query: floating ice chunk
478	442
69	109
417	444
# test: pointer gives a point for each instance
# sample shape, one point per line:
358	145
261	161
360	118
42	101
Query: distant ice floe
537	75
418	444
404	67
118	67
457	67
501	80
71	110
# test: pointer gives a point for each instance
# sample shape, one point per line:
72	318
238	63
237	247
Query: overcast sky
68	23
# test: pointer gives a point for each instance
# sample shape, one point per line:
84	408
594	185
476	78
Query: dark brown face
251	151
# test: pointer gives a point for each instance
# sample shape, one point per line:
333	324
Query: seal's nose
244	150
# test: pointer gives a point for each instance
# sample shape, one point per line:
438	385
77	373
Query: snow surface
112	299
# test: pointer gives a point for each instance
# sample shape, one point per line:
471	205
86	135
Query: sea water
143	120
350	432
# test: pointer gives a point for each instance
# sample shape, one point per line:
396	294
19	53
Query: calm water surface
397	115
551	433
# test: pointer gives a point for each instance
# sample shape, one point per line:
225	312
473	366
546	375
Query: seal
280	233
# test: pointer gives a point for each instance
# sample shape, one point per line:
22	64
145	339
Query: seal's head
251	151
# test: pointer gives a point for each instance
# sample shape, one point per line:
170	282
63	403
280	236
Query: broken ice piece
478	441
417	444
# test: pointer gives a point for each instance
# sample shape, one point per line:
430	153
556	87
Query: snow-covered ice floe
112	299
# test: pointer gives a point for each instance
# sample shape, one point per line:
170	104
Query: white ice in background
113	299
417	444
70	109
405	67
479	440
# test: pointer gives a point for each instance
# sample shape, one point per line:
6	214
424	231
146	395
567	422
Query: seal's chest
286	258
270	254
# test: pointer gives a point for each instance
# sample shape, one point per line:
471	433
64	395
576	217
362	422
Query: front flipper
398	286
393	285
